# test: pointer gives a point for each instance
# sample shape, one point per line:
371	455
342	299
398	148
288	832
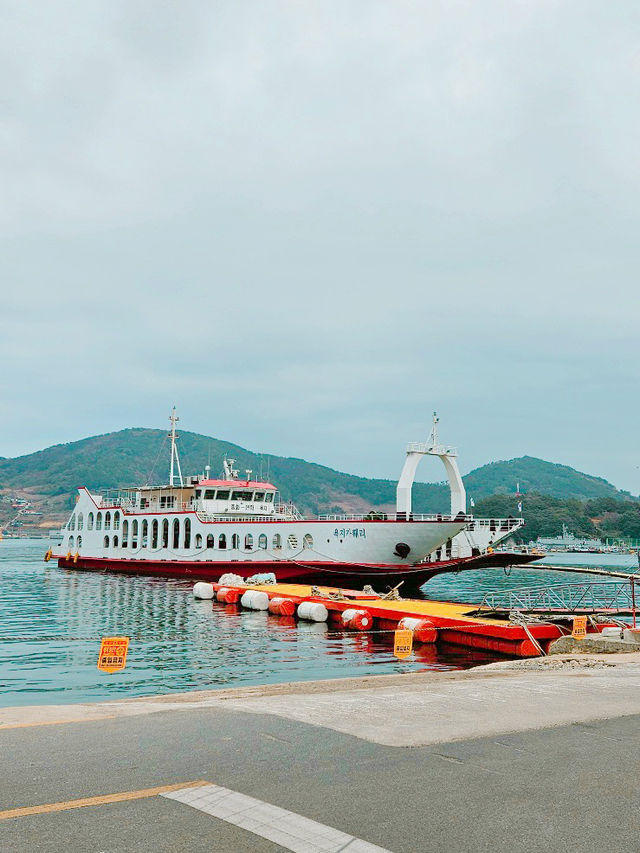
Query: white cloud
301	219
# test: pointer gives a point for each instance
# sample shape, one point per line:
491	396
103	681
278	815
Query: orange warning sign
113	654
579	631
402	643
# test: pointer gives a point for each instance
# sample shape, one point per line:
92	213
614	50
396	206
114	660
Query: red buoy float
282	607
424	630
357	620
228	596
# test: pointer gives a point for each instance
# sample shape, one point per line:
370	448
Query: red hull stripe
326	573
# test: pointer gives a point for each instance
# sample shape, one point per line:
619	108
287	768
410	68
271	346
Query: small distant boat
569	543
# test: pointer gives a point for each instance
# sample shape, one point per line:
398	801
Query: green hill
48	479
536	475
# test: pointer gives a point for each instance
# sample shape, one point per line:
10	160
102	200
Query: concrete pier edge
409	709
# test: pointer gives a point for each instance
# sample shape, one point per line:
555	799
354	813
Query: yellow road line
97	801
55	722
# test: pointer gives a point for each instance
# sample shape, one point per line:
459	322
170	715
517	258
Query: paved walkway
267	777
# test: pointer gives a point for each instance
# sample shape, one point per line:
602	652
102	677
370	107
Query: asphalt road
567	788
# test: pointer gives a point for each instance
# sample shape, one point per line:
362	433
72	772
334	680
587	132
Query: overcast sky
309	224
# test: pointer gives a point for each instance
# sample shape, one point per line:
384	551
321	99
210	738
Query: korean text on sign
402	643
113	654
579	631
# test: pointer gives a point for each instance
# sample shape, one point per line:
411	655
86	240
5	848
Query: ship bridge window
241	496
223	495
209	494
258	496
269	497
198	493
90	521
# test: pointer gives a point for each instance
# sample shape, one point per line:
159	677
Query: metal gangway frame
591	597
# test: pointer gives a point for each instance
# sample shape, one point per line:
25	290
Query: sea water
52	620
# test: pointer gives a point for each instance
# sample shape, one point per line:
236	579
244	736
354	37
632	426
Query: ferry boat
201	528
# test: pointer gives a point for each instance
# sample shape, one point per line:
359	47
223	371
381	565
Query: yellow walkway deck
407	607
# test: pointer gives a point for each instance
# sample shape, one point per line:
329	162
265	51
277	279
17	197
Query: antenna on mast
174	450
434	430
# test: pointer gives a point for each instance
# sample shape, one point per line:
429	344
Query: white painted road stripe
288	829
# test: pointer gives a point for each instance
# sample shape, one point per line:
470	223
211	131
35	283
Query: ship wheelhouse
234	497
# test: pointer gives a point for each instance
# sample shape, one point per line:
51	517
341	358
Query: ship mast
174	450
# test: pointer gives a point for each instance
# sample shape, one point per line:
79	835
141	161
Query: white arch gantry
448	455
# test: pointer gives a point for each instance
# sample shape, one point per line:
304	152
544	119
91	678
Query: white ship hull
183	544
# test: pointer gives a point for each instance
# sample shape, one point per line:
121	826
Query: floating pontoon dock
431	621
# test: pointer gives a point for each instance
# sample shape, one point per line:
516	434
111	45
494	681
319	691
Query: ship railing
432	449
140	508
205	516
113	500
284	511
599	595
497	524
288	510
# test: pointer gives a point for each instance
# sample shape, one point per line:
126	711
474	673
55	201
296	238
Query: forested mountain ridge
49	478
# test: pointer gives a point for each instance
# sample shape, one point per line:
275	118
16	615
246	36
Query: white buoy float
313	611
203	590
255	599
358	620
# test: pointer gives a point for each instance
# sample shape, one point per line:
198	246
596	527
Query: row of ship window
223	495
77	523
157	536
